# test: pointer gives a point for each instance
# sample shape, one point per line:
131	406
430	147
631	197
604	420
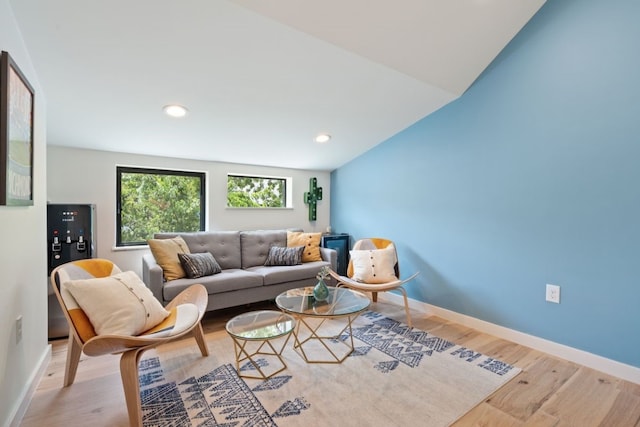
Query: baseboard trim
590	360
30	388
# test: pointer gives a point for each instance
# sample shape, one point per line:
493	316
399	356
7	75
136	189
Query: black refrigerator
70	237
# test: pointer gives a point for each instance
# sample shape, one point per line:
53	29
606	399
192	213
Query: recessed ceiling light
175	110
323	137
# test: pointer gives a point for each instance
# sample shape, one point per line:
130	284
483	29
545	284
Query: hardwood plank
525	394
429	324
585	400
629	387
541	419
455	333
97	402
625	411
512	353
485	415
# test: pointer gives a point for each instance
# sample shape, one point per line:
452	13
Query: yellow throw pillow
117	305
166	251
310	241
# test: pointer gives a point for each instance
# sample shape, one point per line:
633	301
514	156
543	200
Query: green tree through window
256	192
156	200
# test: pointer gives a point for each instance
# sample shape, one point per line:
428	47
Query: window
245	191
154	200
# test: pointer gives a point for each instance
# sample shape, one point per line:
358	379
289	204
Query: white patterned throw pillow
375	265
117	305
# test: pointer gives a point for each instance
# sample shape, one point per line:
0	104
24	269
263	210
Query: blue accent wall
531	177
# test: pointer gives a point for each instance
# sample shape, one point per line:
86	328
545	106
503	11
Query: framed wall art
16	135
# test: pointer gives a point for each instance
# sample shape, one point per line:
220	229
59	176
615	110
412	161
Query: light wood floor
549	391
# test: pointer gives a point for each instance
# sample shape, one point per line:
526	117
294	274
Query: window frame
155	171
288	185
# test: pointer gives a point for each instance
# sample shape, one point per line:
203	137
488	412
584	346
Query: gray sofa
244	277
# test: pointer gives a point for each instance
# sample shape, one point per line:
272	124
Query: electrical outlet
553	293
18	329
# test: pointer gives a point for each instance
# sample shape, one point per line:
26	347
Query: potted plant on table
321	291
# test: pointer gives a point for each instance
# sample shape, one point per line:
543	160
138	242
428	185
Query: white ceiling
260	78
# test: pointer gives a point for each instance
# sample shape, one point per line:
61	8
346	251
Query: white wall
23	259
88	176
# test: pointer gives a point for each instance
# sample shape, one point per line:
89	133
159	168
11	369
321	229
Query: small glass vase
321	291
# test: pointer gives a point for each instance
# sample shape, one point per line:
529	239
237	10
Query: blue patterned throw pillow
284	256
199	265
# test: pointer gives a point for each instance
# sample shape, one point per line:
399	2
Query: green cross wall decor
312	196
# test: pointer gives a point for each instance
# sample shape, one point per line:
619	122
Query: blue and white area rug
397	376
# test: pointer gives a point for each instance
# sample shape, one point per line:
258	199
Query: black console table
339	242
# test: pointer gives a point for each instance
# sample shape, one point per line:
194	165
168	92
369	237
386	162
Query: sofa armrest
330	255
152	276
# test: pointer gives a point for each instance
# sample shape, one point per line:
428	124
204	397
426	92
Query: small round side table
253	335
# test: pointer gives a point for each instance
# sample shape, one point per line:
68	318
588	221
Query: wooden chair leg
374	296
74	351
198	334
406	305
130	382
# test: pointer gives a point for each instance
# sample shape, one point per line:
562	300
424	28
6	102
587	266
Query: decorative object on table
320	291
312	196
16	135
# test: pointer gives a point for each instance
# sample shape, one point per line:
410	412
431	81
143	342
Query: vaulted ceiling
260	78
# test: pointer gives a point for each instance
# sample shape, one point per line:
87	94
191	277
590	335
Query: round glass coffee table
255	334
323	328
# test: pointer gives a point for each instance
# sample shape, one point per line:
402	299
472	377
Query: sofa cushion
226	280
198	265
283	274
223	245
284	256
311	242
256	245
166	251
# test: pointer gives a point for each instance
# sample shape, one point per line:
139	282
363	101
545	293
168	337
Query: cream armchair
374	267
180	317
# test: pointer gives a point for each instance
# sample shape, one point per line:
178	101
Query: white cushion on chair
181	318
374	266
117	305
